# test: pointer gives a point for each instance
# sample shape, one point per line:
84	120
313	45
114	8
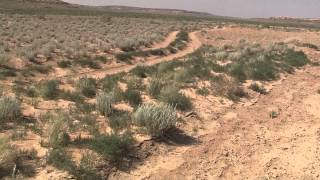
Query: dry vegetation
55	118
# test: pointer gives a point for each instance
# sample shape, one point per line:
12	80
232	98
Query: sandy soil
244	142
165	43
193	45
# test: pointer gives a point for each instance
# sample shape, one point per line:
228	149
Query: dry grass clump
172	96
10	109
156	119
7	157
87	86
104	103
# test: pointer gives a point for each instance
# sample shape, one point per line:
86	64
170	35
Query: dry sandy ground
244	142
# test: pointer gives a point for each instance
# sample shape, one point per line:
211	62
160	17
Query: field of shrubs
88	126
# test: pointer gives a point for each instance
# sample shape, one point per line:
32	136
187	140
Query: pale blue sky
239	8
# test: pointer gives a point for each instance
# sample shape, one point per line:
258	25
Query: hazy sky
240	8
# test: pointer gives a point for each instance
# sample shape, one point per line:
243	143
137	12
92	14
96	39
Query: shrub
203	91
49	89
172	96
87	86
72	96
256	87
113	147
157	119
10	109
234	93
296	58
133	97
119	120
57	131
238	72
110	82
263	68
155	87
140	71
183	76
7	157
64	64
60	159
104	103
135	83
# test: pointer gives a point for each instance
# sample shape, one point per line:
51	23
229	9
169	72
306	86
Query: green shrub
64	64
155	87
31	91
88	63
112	147
135	83
7	157
296	58
256	87
10	109
119	120
87	86
238	72
263	69
156	119
203	91
104	103
110	82
172	96
234	93
50	89
72	96
60	159
183	76
57	130
133	97
140	71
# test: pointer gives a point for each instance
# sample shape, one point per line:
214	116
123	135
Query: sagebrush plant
7	157
57	131
10	109
133	97
258	88
105	102
50	89
87	86
119	120
156	119
155	86
172	96
112	147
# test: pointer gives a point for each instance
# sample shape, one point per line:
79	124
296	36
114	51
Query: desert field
106	96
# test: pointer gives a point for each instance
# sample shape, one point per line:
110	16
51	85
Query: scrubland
98	97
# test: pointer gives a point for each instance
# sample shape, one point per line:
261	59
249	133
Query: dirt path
248	143
165	43
192	46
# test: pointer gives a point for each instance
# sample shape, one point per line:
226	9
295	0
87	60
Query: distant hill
154	10
45	1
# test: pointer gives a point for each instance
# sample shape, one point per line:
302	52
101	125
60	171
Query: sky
235	8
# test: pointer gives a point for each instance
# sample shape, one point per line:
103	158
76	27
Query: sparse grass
203	91
10	109
258	88
64	64
112	147
50	90
119	120
104	103
58	130
87	86
172	96
7	157
133	97
156	119
155	87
